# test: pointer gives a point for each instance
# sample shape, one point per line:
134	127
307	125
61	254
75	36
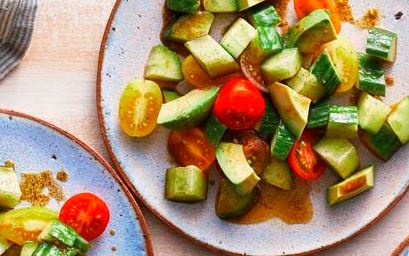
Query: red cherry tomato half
303	160
239	105
87	214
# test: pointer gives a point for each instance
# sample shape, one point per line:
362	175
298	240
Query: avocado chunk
163	65
264	16
186	184
372	113
246	4
232	205
186	6
312	31
266	42
4	245
235	167
340	154
212	57
10	192
28	248
189	27
292	107
278	174
220	6
399	120
307	84
189	110
351	187
382	44
282	65
343	122
238	37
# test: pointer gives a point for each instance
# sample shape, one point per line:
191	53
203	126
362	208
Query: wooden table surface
56	82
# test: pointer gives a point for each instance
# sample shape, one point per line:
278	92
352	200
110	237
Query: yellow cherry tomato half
139	107
345	59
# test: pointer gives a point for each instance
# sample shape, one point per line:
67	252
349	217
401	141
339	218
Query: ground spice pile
39	188
368	20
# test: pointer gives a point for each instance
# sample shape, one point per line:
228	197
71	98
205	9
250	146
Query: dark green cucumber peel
381	44
319	115
343	122
266	42
214	130
326	73
270	120
46	249
384	144
371	76
264	16
185	6
282	142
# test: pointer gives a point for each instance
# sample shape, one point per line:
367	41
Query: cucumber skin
266	42
326	73
371	76
214	130
384	144
269	121
381	43
185	6
319	115
265	16
282	142
307	85
343	122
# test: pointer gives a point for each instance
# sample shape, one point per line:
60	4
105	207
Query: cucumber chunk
372	113
371	76
269	121
399	120
264	16
186	6
351	187
163	65
236	168
10	192
246	4
189	27
343	122
266	42
220	6
382	44
46	249
186	184
282	65
326	73
307	84
282	142
169	95
232	205
212	57
28	248
238	37
189	110
4	245
319	115
340	154
214	130
278	174
311	32
384	144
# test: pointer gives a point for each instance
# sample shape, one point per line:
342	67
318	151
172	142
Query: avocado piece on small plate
292	107
220	6
312	31
188	110
185	6
340	154
212	57
10	192
382	44
352	187
238	37
237	170
163	65
282	65
246	4
372	113
189	27
278	174
307	84
399	120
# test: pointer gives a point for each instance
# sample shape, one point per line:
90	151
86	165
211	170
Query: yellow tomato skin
139	107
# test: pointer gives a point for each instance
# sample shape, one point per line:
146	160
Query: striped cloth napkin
16	28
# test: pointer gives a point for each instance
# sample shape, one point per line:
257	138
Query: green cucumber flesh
212	57
307	84
319	115
282	142
184	6
163	65
269	121
382	44
188	110
169	95
399	120
340	154
214	130
186	184
238	37
10	192
28	248
326	73
220	6
372	113
282	65
264	16
4	245
343	122
266	42
189	27
246	4
278	174
371	76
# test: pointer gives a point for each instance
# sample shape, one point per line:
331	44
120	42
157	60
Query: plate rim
401	247
133	189
99	158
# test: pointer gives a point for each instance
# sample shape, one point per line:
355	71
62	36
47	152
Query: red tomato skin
76	214
239	105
